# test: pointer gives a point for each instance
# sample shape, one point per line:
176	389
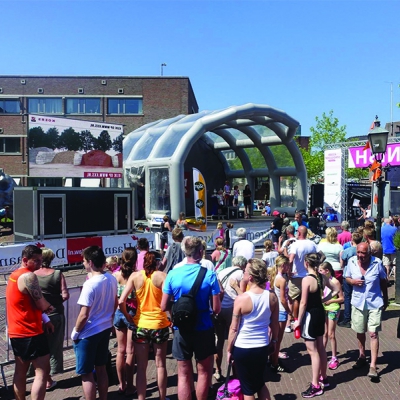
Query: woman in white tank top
248	343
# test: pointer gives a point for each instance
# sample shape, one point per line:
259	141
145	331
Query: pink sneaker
334	363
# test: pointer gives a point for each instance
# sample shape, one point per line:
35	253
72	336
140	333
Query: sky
303	57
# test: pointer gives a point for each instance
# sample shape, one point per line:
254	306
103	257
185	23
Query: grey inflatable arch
164	145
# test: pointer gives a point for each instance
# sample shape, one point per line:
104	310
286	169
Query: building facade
130	101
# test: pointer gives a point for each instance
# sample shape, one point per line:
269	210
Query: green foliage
70	140
103	142
87	141
357	174
52	138
36	137
117	143
326	131
396	240
280	152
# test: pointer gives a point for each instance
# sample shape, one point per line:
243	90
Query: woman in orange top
151	324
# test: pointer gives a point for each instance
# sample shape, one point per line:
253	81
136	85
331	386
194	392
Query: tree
36	137
87	141
117	143
326	131
52	138
70	140
103	142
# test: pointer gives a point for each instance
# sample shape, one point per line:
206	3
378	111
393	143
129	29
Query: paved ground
346	383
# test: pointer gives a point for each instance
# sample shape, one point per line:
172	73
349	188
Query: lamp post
378	138
162	68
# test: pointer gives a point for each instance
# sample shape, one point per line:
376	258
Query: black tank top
315	299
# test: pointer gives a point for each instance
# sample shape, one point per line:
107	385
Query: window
9	106
83	106
125	106
10	145
45	105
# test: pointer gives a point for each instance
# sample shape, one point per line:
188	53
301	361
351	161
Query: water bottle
297	332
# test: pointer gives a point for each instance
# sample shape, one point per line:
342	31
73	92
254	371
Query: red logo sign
76	245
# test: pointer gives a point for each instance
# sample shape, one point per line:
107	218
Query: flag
366	146
376	169
200	199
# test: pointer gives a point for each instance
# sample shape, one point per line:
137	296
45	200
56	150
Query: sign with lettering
359	158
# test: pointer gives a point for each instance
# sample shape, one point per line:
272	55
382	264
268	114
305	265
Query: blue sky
304	57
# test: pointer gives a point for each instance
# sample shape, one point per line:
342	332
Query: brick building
131	101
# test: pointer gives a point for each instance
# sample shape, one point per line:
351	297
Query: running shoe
334	363
312	391
288	329
323	382
360	363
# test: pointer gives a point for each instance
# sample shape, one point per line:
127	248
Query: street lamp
162	68
377	139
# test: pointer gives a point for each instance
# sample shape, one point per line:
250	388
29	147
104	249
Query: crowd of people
297	285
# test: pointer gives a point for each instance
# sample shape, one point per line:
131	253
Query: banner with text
359	158
334	181
200	199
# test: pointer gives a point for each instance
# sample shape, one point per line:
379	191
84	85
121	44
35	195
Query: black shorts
201	343
250	367
30	348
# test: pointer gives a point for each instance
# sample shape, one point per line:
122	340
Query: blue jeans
347	291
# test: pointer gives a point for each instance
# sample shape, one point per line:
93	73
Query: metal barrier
71	311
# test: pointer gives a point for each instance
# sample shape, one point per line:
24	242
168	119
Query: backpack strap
197	283
221	261
225	278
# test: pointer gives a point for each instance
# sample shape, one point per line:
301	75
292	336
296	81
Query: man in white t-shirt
297	252
243	247
91	334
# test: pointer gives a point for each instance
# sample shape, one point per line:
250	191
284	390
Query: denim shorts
91	352
120	321
282	316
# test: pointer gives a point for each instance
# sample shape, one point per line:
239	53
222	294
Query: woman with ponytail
123	327
249	343
151	325
312	321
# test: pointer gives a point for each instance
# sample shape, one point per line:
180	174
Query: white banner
10	256
333	180
115	245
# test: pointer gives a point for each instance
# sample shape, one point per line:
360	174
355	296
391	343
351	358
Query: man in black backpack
200	340
174	253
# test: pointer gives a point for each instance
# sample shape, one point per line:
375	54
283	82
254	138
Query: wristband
74	334
274	341
45	318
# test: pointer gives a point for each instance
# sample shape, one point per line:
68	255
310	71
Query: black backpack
184	310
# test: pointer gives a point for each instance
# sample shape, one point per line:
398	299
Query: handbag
230	389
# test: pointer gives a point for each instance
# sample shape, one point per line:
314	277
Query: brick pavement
346	383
